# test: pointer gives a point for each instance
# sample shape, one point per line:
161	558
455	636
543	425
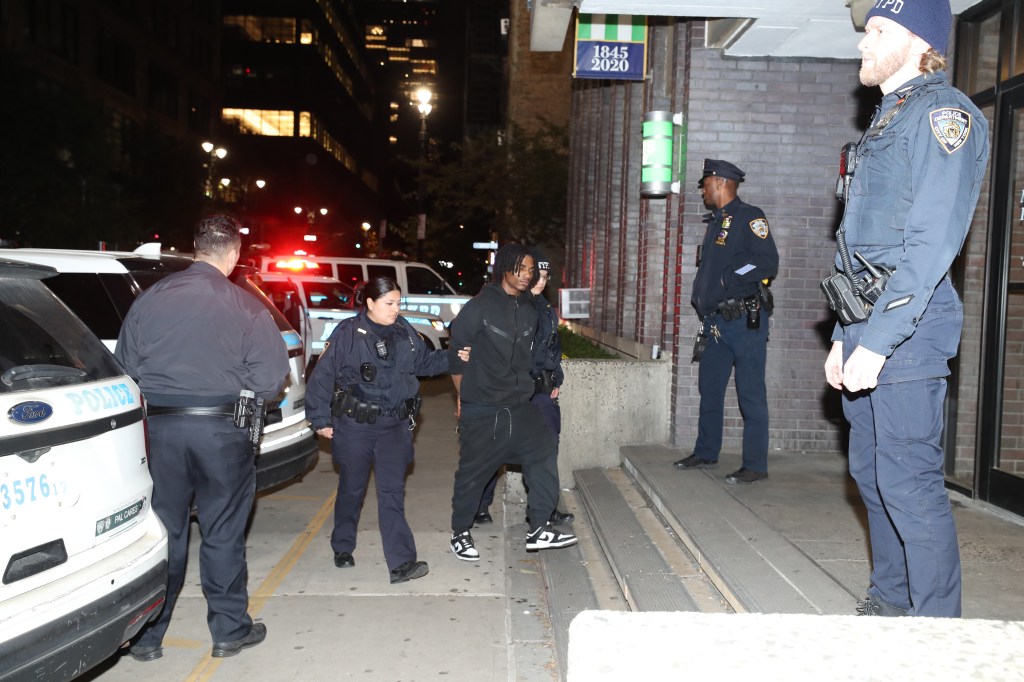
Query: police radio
847	165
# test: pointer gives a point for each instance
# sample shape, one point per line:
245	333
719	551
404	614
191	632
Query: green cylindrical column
656	160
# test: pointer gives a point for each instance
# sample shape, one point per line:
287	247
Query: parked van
82	555
314	305
100	286
423	290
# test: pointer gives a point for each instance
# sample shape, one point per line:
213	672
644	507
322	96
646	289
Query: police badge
951	127
759	226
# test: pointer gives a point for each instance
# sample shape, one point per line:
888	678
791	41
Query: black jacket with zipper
500	330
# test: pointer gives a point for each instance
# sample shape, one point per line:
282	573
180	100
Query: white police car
314	305
100	286
83	558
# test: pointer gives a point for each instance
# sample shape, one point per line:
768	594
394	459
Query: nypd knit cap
930	20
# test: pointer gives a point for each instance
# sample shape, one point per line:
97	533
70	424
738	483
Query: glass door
1001	419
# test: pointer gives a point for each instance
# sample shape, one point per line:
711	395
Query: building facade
783	120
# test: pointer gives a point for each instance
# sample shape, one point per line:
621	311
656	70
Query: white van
314	305
423	290
100	286
82	555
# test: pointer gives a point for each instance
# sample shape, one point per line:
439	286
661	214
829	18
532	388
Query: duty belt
225	410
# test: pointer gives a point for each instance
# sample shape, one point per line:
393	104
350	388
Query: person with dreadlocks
497	422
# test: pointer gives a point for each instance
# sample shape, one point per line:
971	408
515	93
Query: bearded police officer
738	258
916	176
193	342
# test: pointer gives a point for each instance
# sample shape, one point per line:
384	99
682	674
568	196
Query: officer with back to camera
363	394
193	341
916	177
738	258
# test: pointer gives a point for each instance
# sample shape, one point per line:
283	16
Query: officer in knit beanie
930	20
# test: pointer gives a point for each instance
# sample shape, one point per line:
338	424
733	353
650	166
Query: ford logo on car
30	412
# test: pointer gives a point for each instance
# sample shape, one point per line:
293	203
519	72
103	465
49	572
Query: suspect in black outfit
364	396
547	377
497	422
193	342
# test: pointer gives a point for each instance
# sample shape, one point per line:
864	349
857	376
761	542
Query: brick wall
783	122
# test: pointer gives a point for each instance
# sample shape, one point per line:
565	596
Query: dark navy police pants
386	448
896	458
210	459
746	351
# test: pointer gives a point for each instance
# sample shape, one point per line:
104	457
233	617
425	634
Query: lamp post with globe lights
213	154
423	96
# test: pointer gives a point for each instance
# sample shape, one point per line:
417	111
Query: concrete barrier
610	403
610	645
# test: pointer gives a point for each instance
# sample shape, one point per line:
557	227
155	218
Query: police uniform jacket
194	339
500	330
738	251
912	197
387	381
547	350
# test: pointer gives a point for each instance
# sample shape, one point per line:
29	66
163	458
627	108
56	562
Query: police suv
100	286
83	557
423	290
314	305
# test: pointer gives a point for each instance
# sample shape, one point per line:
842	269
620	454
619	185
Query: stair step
752	564
645	577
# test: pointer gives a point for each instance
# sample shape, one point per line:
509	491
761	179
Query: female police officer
364	387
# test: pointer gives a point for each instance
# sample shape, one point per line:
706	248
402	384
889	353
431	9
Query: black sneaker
483	517
695	462
410	570
546	537
257	634
463	547
559	517
344	560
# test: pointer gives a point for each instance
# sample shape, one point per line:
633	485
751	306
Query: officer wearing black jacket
364	390
497	422
193	341
738	257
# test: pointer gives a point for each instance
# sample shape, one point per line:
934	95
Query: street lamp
370	238
423	95
214	152
310	218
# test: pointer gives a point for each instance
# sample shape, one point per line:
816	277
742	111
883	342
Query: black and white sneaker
463	547
547	537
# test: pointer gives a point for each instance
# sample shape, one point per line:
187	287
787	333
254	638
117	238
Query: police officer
193	341
547	376
738	258
917	173
364	390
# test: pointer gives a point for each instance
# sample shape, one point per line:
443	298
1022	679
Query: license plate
120	518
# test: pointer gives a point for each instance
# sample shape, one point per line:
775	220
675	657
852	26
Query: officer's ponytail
374	289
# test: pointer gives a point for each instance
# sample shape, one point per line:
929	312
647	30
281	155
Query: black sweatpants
490	436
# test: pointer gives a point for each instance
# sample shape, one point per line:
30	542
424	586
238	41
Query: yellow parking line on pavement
208	666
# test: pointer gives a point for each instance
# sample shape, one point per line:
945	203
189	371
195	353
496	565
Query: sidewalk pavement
461	622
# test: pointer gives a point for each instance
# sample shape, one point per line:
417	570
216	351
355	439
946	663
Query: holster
731	309
700	344
259	416
343	403
544	382
413	405
842	298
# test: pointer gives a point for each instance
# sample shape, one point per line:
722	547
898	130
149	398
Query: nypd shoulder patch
951	127
759	226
